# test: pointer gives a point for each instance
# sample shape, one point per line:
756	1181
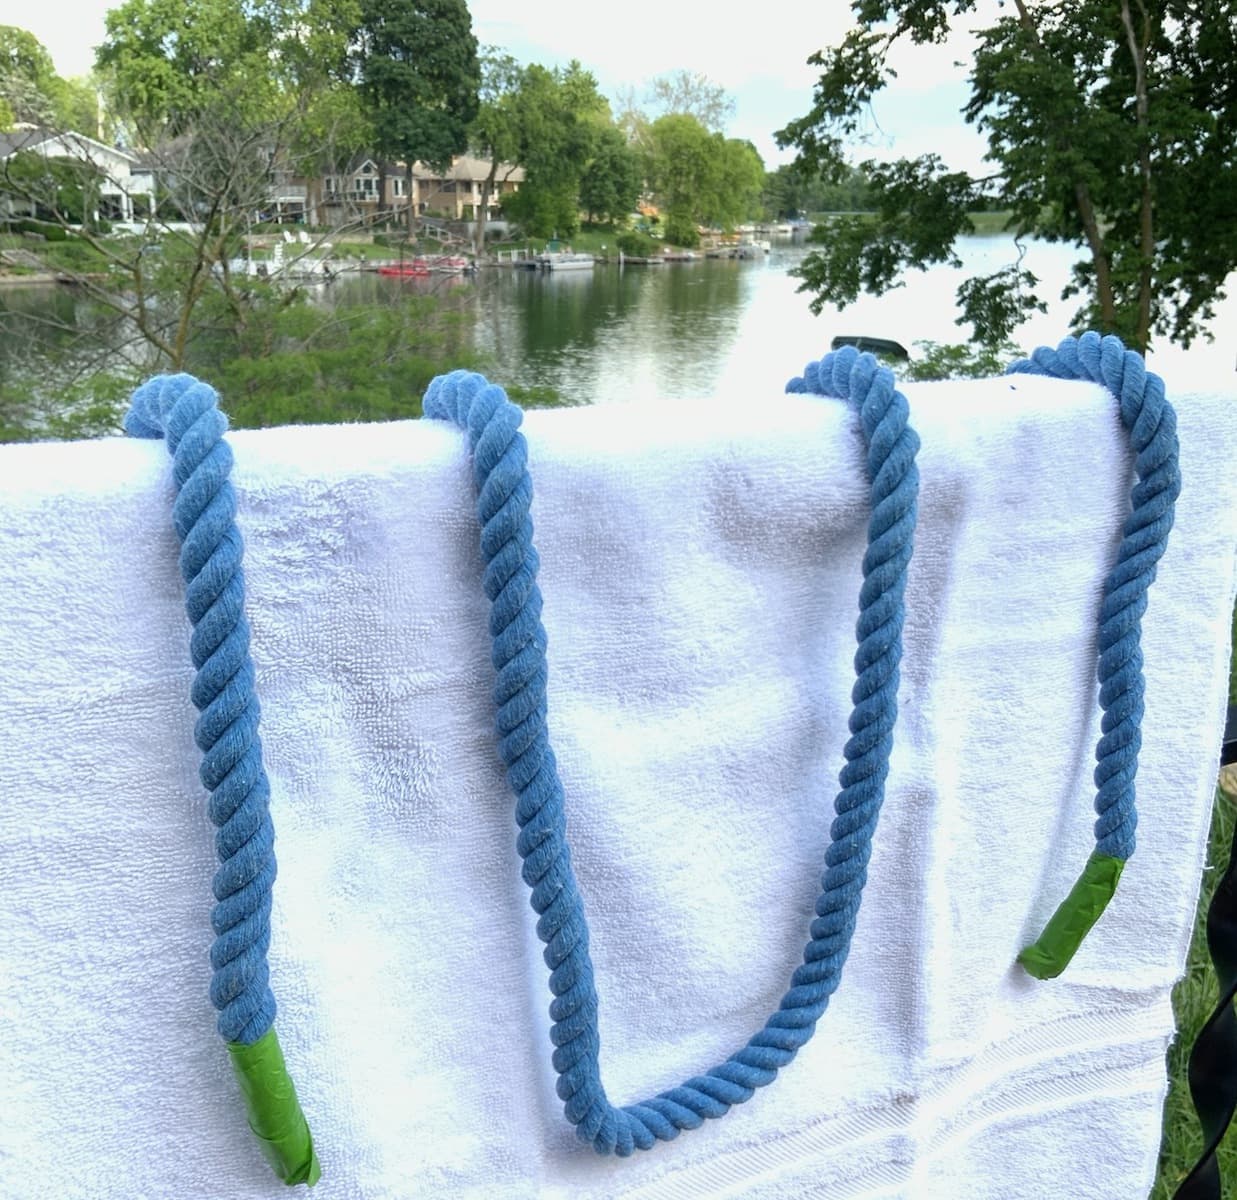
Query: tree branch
1146	227
1082	197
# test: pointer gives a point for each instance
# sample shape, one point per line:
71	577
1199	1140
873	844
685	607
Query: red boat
416	267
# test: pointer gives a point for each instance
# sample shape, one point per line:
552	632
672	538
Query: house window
330	185
397	185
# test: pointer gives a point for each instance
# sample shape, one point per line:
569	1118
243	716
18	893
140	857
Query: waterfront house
124	192
354	194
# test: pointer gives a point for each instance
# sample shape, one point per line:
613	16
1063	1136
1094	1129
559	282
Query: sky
761	64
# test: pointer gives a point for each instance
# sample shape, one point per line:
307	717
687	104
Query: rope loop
504	498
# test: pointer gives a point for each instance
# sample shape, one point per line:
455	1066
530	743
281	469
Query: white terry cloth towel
701	568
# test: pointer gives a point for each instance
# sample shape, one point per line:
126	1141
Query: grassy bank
1194	998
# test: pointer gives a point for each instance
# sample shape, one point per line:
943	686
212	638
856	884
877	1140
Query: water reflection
611	334
705	328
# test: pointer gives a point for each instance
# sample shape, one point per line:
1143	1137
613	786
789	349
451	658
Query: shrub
681	231
636	244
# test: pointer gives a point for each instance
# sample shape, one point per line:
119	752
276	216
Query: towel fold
700	567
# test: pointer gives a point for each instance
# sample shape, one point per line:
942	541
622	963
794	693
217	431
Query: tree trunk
1086	210
1146	235
412	208
1099	256
483	209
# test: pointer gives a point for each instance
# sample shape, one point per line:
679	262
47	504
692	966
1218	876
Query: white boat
279	266
565	260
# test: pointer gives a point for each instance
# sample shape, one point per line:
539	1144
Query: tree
610	185
59	190
28	79
701	177
419	76
32	92
790	191
681	168
220	97
1110	124
495	130
691	94
740	179
630	118
228	102
169	63
559	116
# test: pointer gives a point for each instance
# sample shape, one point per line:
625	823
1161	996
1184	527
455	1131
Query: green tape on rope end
273	1110
1051	952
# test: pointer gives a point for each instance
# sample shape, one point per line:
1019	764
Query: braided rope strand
504	499
185	412
1151	423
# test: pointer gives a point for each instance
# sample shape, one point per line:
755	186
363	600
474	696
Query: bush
637	245
44	229
681	231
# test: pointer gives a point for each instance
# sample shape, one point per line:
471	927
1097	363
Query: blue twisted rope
519	656
1151	424
185	412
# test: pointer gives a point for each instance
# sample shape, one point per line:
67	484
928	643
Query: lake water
704	328
700	328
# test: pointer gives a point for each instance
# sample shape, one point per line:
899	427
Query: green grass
1194	999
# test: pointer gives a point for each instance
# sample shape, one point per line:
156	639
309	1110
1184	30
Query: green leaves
610	185
559	119
32	92
701	177
1110	125
920	210
419	76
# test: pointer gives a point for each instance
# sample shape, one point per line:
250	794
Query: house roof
22	138
30	137
469	169
465	168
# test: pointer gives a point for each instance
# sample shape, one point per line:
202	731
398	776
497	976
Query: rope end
1052	951
274	1112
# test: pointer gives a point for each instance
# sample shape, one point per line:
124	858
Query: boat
277	268
679	255
404	270
885	347
565	260
449	264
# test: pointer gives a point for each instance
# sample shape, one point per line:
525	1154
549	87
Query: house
125	192
354	194
457	192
